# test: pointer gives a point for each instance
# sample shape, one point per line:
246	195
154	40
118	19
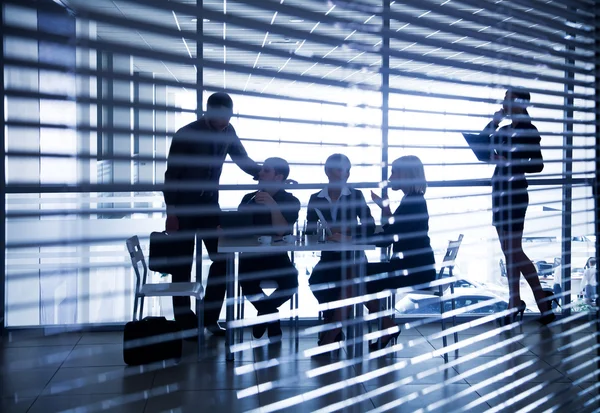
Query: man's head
273	173
337	168
219	110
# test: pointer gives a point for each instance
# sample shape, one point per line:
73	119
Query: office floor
531	368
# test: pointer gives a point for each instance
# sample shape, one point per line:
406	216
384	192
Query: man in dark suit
272	212
195	161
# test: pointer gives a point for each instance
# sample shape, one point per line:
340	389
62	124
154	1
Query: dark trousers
215	285
278	268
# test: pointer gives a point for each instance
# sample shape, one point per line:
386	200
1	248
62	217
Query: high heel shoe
385	340
511	318
332	353
550	296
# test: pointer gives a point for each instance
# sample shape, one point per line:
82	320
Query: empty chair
179	289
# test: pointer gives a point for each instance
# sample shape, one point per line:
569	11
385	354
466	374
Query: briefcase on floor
151	339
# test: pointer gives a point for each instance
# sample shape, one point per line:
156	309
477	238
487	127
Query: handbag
151	339
164	252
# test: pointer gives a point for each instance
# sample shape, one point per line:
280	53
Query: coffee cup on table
265	239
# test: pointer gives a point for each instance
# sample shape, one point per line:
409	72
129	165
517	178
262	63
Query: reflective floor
531	368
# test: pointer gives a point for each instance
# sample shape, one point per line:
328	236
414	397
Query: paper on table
324	222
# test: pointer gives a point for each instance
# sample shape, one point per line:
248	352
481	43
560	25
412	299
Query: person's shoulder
314	197
415	200
231	130
357	193
288	197
191	128
248	196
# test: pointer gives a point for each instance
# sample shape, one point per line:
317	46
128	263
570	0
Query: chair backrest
450	257
137	257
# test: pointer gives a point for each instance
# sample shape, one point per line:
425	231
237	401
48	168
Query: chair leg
296	317
200	315
240	306
141	307
135	306
444	339
454	316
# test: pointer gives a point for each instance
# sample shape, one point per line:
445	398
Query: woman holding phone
516	151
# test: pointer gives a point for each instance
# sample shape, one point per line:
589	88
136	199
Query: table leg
229	304
358	345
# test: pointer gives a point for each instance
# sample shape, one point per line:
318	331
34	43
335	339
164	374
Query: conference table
234	246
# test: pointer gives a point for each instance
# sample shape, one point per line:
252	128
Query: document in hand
480	145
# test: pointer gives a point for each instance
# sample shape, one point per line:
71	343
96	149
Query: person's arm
409	221
367	222
175	167
278	221
239	155
527	159
489	133
311	216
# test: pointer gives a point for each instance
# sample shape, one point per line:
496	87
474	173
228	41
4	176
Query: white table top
246	244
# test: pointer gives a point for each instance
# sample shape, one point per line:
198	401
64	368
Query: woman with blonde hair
406	230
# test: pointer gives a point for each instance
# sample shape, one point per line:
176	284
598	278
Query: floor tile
289	349
475	343
413	397
37	338
562	396
113	403
200	401
24	358
294	373
214	350
204	376
478	369
96	355
25	383
110	337
545	344
576	368
15	405
100	380
412	331
406	346
384	371
308	399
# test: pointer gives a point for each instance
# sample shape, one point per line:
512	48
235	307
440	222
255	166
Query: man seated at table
273	211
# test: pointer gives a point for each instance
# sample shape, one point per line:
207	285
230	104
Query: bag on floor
151	339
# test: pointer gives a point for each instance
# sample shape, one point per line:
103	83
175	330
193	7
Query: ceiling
425	52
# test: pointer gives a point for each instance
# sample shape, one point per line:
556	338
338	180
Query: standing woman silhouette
516	151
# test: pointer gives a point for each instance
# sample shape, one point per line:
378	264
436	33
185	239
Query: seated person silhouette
272	211
342	207
406	230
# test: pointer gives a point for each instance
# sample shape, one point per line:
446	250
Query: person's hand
379	201
263	198
339	237
172	223
498	116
